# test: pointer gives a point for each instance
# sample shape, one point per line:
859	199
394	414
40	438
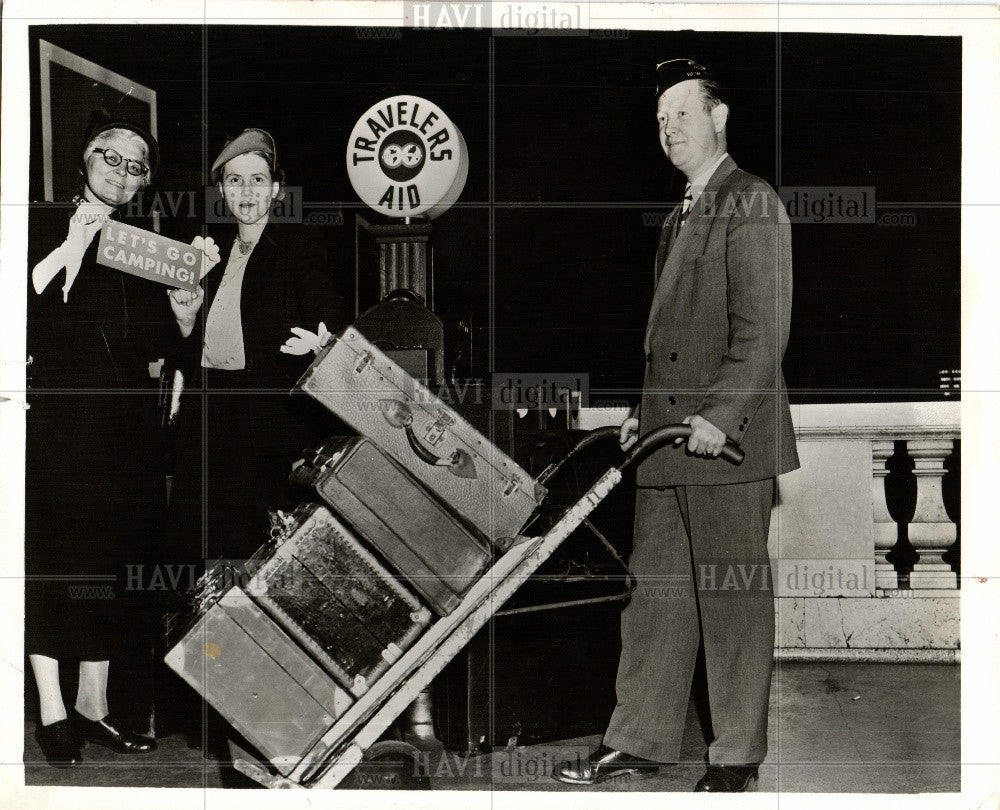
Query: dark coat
287	283
94	481
717	332
240	431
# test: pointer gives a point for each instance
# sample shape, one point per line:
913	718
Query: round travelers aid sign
406	158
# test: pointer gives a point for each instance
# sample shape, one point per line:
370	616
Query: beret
249	140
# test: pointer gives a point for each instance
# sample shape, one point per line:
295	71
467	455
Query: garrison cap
675	71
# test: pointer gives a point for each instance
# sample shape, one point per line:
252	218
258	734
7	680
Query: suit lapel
676	245
257	297
261	264
668	233
254	293
226	240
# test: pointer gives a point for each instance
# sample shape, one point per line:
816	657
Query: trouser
700	558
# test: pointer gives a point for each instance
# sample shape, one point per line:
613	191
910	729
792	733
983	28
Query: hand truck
336	754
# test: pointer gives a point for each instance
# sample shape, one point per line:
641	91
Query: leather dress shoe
59	744
108	732
728	779
604	763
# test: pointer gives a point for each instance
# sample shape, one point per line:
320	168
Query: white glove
83	227
210	251
325	337
306	341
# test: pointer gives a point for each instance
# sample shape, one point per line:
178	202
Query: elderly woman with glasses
253	330
95	494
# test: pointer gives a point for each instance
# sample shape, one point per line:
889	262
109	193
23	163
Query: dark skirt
235	445
95	493
94	510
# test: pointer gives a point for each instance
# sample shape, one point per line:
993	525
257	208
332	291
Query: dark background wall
565	164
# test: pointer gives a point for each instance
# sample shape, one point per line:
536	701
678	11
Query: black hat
102	122
675	71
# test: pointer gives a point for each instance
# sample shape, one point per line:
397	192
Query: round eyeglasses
134	167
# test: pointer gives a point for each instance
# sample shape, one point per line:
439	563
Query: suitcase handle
459	463
398	414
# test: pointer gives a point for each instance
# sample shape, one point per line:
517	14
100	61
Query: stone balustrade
861	572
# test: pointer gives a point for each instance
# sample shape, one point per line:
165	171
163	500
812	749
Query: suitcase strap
617	597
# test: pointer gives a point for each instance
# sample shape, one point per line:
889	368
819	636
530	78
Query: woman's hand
210	254
305	341
85	218
185	304
83	227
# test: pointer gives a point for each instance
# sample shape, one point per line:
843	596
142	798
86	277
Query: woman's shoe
59	744
109	733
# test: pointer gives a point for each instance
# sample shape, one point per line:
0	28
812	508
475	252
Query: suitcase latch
364	360
435	433
511	487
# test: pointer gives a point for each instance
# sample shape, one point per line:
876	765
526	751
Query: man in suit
716	334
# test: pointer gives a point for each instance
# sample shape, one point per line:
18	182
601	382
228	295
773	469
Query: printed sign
406	158
149	255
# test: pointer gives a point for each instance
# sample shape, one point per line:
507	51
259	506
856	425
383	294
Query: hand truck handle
666	434
649	443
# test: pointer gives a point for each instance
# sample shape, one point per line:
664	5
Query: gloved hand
306	341
211	255
83	227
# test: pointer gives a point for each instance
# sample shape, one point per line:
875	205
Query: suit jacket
287	283
717	332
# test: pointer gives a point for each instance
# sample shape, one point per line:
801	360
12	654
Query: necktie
686	206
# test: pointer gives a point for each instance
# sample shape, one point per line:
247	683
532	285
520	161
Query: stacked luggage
415	510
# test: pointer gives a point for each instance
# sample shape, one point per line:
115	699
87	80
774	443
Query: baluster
931	530
885	526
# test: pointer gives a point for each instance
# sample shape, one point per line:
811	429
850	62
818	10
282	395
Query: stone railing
864	551
920	438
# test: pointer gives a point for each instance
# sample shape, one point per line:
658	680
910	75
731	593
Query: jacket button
746	419
673	357
742	427
671	400
649	357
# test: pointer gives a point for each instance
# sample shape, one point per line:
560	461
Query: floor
860	728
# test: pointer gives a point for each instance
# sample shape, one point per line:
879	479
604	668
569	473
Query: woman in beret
95	494
252	330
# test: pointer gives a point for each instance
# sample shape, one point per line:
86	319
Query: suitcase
258	678
411	529
483	485
337	600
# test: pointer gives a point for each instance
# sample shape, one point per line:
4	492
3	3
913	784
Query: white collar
699	181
